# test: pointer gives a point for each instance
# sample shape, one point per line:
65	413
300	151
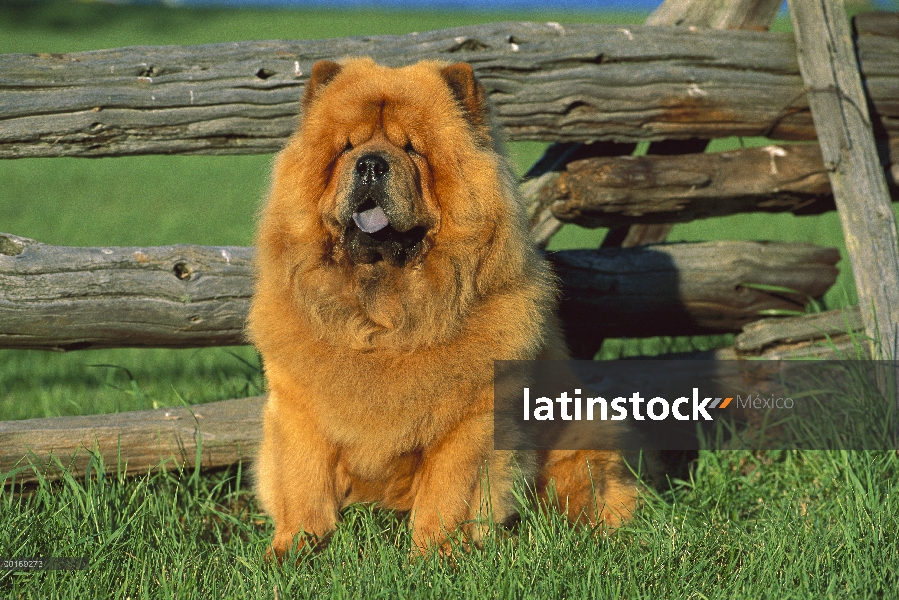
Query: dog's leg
590	486
295	476
493	501
449	493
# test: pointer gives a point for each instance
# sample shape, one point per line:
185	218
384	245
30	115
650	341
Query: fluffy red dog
393	267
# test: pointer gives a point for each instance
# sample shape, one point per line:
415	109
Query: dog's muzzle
380	228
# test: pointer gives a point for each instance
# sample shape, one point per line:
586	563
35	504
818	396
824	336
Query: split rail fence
592	90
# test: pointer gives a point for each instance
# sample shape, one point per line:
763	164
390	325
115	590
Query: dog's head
391	202
389	134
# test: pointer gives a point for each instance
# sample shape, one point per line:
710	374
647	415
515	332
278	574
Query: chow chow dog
393	267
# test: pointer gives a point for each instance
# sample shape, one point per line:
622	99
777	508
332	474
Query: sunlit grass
783	524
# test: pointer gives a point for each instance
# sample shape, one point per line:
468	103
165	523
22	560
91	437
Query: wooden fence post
830	72
716	14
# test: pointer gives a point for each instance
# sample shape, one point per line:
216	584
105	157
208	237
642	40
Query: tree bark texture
62	298
839	107
625	190
671	289
547	81
218	433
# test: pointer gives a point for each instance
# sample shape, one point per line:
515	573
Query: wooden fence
594	90
576	83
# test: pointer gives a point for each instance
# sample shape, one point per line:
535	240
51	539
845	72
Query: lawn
740	524
772	525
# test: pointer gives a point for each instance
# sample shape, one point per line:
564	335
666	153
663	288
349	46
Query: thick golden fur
380	371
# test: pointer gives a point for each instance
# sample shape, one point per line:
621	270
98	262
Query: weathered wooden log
834	334
757	15
547	81
62	298
539	182
135	442
727	14
760	335
615	192
55	297
875	23
829	69
672	288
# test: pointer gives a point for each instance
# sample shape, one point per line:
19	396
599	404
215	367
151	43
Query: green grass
46	384
780	524
71	26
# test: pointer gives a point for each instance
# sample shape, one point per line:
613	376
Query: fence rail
547	81
219	434
230	430
65	298
626	190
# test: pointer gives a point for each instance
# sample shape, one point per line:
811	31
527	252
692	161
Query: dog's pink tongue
371	220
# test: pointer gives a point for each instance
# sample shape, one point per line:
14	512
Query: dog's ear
468	91
323	71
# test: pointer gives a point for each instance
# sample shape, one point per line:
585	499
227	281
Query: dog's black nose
371	167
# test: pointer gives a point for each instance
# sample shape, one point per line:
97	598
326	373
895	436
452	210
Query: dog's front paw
285	545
